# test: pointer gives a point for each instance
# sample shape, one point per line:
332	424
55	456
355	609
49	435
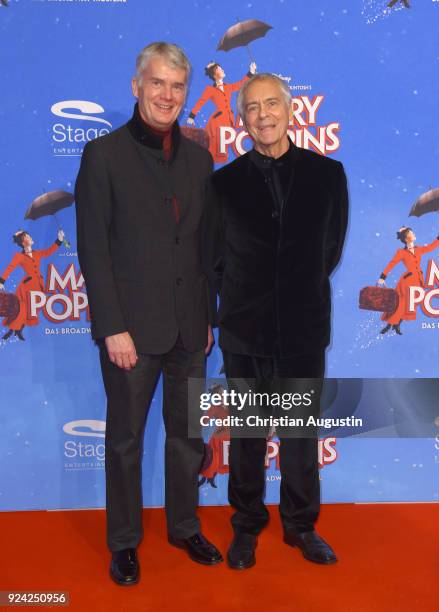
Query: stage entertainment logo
81	123
84	455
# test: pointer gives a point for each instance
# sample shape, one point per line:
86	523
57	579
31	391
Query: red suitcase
381	299
198	135
9	306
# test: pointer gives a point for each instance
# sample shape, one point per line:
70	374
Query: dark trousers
129	395
300	487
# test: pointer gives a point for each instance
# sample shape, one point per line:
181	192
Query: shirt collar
144	135
264	162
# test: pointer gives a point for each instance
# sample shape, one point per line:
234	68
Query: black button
275	214
179	281
177	240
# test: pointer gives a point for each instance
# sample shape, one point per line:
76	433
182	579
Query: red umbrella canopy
242	33
49	204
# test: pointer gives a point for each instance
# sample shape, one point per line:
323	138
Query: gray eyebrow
256	102
153	78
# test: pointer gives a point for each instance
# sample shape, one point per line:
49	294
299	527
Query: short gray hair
174	55
263	76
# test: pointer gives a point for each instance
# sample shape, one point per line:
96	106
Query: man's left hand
210	340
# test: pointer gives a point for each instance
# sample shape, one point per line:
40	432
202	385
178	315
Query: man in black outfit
140	194
274	232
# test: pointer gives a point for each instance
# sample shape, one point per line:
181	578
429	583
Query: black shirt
278	173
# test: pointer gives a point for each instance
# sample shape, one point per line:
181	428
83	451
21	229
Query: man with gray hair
274	232
139	201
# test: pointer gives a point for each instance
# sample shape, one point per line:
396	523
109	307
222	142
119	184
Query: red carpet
388	560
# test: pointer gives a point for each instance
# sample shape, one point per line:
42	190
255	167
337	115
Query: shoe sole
327	562
182	547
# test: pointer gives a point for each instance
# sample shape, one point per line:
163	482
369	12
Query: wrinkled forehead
262	90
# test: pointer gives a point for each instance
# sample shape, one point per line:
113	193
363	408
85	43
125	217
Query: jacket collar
264	162
145	136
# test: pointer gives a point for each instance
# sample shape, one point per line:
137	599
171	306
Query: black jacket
271	264
141	268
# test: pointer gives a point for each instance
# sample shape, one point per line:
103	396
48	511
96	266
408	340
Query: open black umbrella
241	34
404	2
49	204
427	202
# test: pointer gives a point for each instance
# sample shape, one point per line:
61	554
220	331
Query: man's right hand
2	286
121	350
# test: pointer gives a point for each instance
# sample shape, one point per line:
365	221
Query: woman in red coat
410	256
32	280
220	94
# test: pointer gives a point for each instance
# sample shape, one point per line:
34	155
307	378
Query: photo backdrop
364	80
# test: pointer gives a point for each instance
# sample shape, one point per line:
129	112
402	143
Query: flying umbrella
427	202
49	204
241	34
404	2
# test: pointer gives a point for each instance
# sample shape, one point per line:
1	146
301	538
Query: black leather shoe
313	547
124	568
198	548
397	329
241	554
385	329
